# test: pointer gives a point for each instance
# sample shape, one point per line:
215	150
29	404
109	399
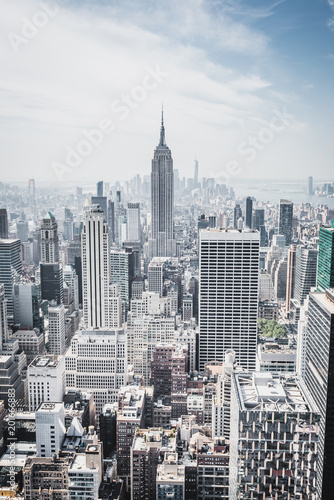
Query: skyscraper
236	216
71	279
306	272
57	329
249	212
31	190
52	287
228	295
22	230
111	220
309	189
10	268
274	437
95	253
51	271
3	223
285	220
27	300
3	317
195	174
162	243
102	201
49	240
133	222
290	279
325	273
99	189
258	220
319	378
122	273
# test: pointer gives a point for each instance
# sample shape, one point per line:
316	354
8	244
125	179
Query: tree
270	328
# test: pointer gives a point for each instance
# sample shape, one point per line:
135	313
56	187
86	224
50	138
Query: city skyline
166	299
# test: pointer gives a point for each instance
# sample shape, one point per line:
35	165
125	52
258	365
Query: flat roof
263	391
46	361
229	234
321	298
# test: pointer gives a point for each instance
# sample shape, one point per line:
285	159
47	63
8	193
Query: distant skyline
246	88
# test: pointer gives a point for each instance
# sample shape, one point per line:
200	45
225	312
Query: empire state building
162	242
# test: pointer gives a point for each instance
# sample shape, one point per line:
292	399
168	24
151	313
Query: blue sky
228	70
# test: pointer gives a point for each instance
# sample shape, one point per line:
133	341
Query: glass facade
325	274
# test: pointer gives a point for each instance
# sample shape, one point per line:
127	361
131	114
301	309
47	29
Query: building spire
162	129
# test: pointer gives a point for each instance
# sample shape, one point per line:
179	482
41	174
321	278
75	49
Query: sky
246	88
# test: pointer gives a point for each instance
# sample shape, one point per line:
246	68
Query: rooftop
325	299
50	407
267	392
44	361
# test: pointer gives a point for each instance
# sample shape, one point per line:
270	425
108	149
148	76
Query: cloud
330	22
65	78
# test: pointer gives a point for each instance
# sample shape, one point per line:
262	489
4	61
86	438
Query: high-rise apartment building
10	270
162	243
49	241
228	295
319	378
285	220
325	274
95	250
